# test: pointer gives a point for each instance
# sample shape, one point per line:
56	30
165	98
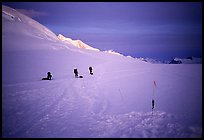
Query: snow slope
19	26
114	102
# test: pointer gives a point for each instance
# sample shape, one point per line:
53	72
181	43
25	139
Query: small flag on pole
155	84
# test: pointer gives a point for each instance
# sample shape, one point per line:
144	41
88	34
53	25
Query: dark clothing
90	69
49	76
76	72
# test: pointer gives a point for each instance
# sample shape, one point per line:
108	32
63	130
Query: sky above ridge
159	30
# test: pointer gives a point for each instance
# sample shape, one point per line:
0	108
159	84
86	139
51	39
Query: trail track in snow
75	107
71	100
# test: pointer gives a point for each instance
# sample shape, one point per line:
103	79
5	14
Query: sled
78	76
45	78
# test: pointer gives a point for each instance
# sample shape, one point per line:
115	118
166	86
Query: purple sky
160	30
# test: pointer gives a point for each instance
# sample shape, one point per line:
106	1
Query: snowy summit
77	43
114	101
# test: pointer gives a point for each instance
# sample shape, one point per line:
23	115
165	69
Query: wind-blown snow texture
113	102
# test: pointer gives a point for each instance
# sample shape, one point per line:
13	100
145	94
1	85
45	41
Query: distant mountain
188	60
153	61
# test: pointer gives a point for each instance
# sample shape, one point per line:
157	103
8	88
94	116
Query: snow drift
113	102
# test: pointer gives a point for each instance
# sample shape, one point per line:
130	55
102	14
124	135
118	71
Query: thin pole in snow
154	86
121	95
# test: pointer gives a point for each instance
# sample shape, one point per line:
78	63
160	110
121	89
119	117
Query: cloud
32	13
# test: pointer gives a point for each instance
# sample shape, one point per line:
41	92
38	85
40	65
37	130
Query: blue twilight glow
161	30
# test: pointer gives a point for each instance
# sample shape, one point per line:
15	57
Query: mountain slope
12	23
77	43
